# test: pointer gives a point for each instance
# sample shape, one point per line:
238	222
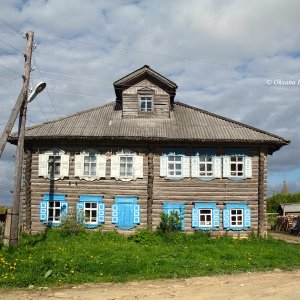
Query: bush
71	224
170	222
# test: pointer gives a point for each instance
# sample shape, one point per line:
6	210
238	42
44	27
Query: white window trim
100	165
235	163
211	217
146	107
230	220
48	209
64	164
137	165
181	163
84	209
206	163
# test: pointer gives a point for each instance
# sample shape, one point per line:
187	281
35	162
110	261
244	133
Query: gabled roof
144	72
186	123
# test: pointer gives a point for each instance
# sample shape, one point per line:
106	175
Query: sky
239	59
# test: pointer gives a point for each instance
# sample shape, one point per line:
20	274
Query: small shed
289	209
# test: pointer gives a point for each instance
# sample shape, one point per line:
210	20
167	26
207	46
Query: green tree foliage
170	222
275	200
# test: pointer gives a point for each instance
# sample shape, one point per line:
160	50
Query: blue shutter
79	212
216	217
247	218
136	214
114	214
195	217
101	213
226	216
43	211
178	207
63	210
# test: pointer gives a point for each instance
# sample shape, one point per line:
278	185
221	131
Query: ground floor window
205	215
178	207
125	212
90	210
237	216
53	209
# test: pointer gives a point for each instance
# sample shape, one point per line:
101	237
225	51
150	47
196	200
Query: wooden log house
123	163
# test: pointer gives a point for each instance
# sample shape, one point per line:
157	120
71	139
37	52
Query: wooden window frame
236	215
54	215
90	209
205	215
146	93
90	163
205	163
174	163
235	162
126	176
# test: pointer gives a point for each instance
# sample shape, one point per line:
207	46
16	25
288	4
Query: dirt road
270	285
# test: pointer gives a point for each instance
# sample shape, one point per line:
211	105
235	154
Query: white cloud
219	53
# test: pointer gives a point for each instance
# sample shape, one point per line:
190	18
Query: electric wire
36	64
11	27
20	51
10	69
10	54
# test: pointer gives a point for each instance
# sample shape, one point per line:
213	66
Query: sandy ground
270	285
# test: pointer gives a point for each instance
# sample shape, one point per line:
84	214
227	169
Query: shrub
170	222
71	224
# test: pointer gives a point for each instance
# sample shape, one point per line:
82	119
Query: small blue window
175	207
237	216
125	212
205	216
53	209
90	210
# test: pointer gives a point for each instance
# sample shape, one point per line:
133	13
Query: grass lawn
56	258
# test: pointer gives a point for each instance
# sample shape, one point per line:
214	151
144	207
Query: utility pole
14	230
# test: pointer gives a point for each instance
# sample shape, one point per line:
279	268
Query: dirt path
270	285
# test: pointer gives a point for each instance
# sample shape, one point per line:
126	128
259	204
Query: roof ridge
230	120
72	115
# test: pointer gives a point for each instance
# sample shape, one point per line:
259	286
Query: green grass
54	259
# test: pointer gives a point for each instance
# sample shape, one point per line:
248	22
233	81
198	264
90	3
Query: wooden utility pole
14	230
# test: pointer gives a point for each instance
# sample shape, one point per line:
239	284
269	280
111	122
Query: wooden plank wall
73	187
188	190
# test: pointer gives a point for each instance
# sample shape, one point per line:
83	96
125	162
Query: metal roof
186	123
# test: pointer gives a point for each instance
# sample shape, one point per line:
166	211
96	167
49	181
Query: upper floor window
54	164
237	165
174	165
126	165
90	165
206	165
146	103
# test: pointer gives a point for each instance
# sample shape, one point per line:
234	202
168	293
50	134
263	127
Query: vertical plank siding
151	190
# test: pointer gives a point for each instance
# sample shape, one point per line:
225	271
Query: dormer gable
145	93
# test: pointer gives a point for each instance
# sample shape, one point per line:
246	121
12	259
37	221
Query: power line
35	62
10	69
20	51
180	58
9	81
19	58
79	95
11	27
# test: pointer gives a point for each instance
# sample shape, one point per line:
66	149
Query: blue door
126	212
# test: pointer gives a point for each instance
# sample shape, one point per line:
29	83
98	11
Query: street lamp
39	87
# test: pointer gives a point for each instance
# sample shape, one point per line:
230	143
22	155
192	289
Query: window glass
54	162
126	166
205	217
236	217
54	211
237	166
205	166
89	165
174	165
90	212
146	103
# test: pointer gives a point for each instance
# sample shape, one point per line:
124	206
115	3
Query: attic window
146	103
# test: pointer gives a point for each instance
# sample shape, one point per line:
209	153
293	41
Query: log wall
151	190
